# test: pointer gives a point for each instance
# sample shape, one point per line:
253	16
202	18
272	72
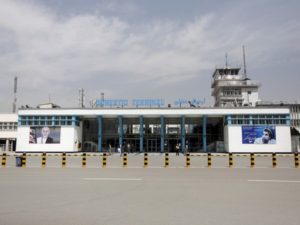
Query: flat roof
155	111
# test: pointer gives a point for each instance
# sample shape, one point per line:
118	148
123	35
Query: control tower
232	89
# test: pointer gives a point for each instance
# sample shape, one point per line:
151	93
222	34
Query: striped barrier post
296	157
83	160
63	160
44	160
167	159
208	160
230	155
125	160
252	160
3	163
104	160
23	160
274	160
188	160
145	159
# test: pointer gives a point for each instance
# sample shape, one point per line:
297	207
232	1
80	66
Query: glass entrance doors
152	145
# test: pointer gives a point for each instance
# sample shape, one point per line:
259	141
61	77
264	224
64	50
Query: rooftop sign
147	103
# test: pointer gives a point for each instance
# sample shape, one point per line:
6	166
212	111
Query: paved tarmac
149	196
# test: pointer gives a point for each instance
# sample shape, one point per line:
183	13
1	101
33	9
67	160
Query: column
100	125
182	134
162	133
251	119
288	120
204	123
73	121
7	148
141	134
120	131
229	119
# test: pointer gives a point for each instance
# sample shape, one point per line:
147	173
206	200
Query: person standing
120	150
110	149
177	149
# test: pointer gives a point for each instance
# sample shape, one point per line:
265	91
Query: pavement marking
276	181
112	179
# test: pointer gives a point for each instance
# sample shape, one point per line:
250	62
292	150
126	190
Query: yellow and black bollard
104	160
188	160
296	156
145	159
208	160
125	160
83	160
252	160
230	157
3	163
23	160
63	160
44	160
274	160
167	159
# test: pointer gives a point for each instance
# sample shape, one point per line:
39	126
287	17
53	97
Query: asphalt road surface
149	196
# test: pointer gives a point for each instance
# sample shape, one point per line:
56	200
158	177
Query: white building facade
159	130
8	132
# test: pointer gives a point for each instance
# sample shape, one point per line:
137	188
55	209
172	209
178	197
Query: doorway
171	144
152	145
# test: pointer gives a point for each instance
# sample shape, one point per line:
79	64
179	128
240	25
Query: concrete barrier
44	160
296	157
83	163
230	159
209	160
3	161
125	160
152	160
274	160
167	163
104	158
63	160
252	160
188	160
23	160
145	159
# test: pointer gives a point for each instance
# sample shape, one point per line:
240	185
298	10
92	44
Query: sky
158	49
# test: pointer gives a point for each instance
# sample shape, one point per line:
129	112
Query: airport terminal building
233	124
155	129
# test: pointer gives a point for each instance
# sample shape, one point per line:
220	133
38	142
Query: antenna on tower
244	60
226	60
102	99
15	94
81	97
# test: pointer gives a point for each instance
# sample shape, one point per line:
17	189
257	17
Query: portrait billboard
44	135
259	134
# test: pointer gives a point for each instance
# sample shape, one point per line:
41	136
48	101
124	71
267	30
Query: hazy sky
144	48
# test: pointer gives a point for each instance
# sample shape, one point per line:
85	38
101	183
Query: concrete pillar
162	134
182	134
120	131
7	145
100	125
204	124
141	134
